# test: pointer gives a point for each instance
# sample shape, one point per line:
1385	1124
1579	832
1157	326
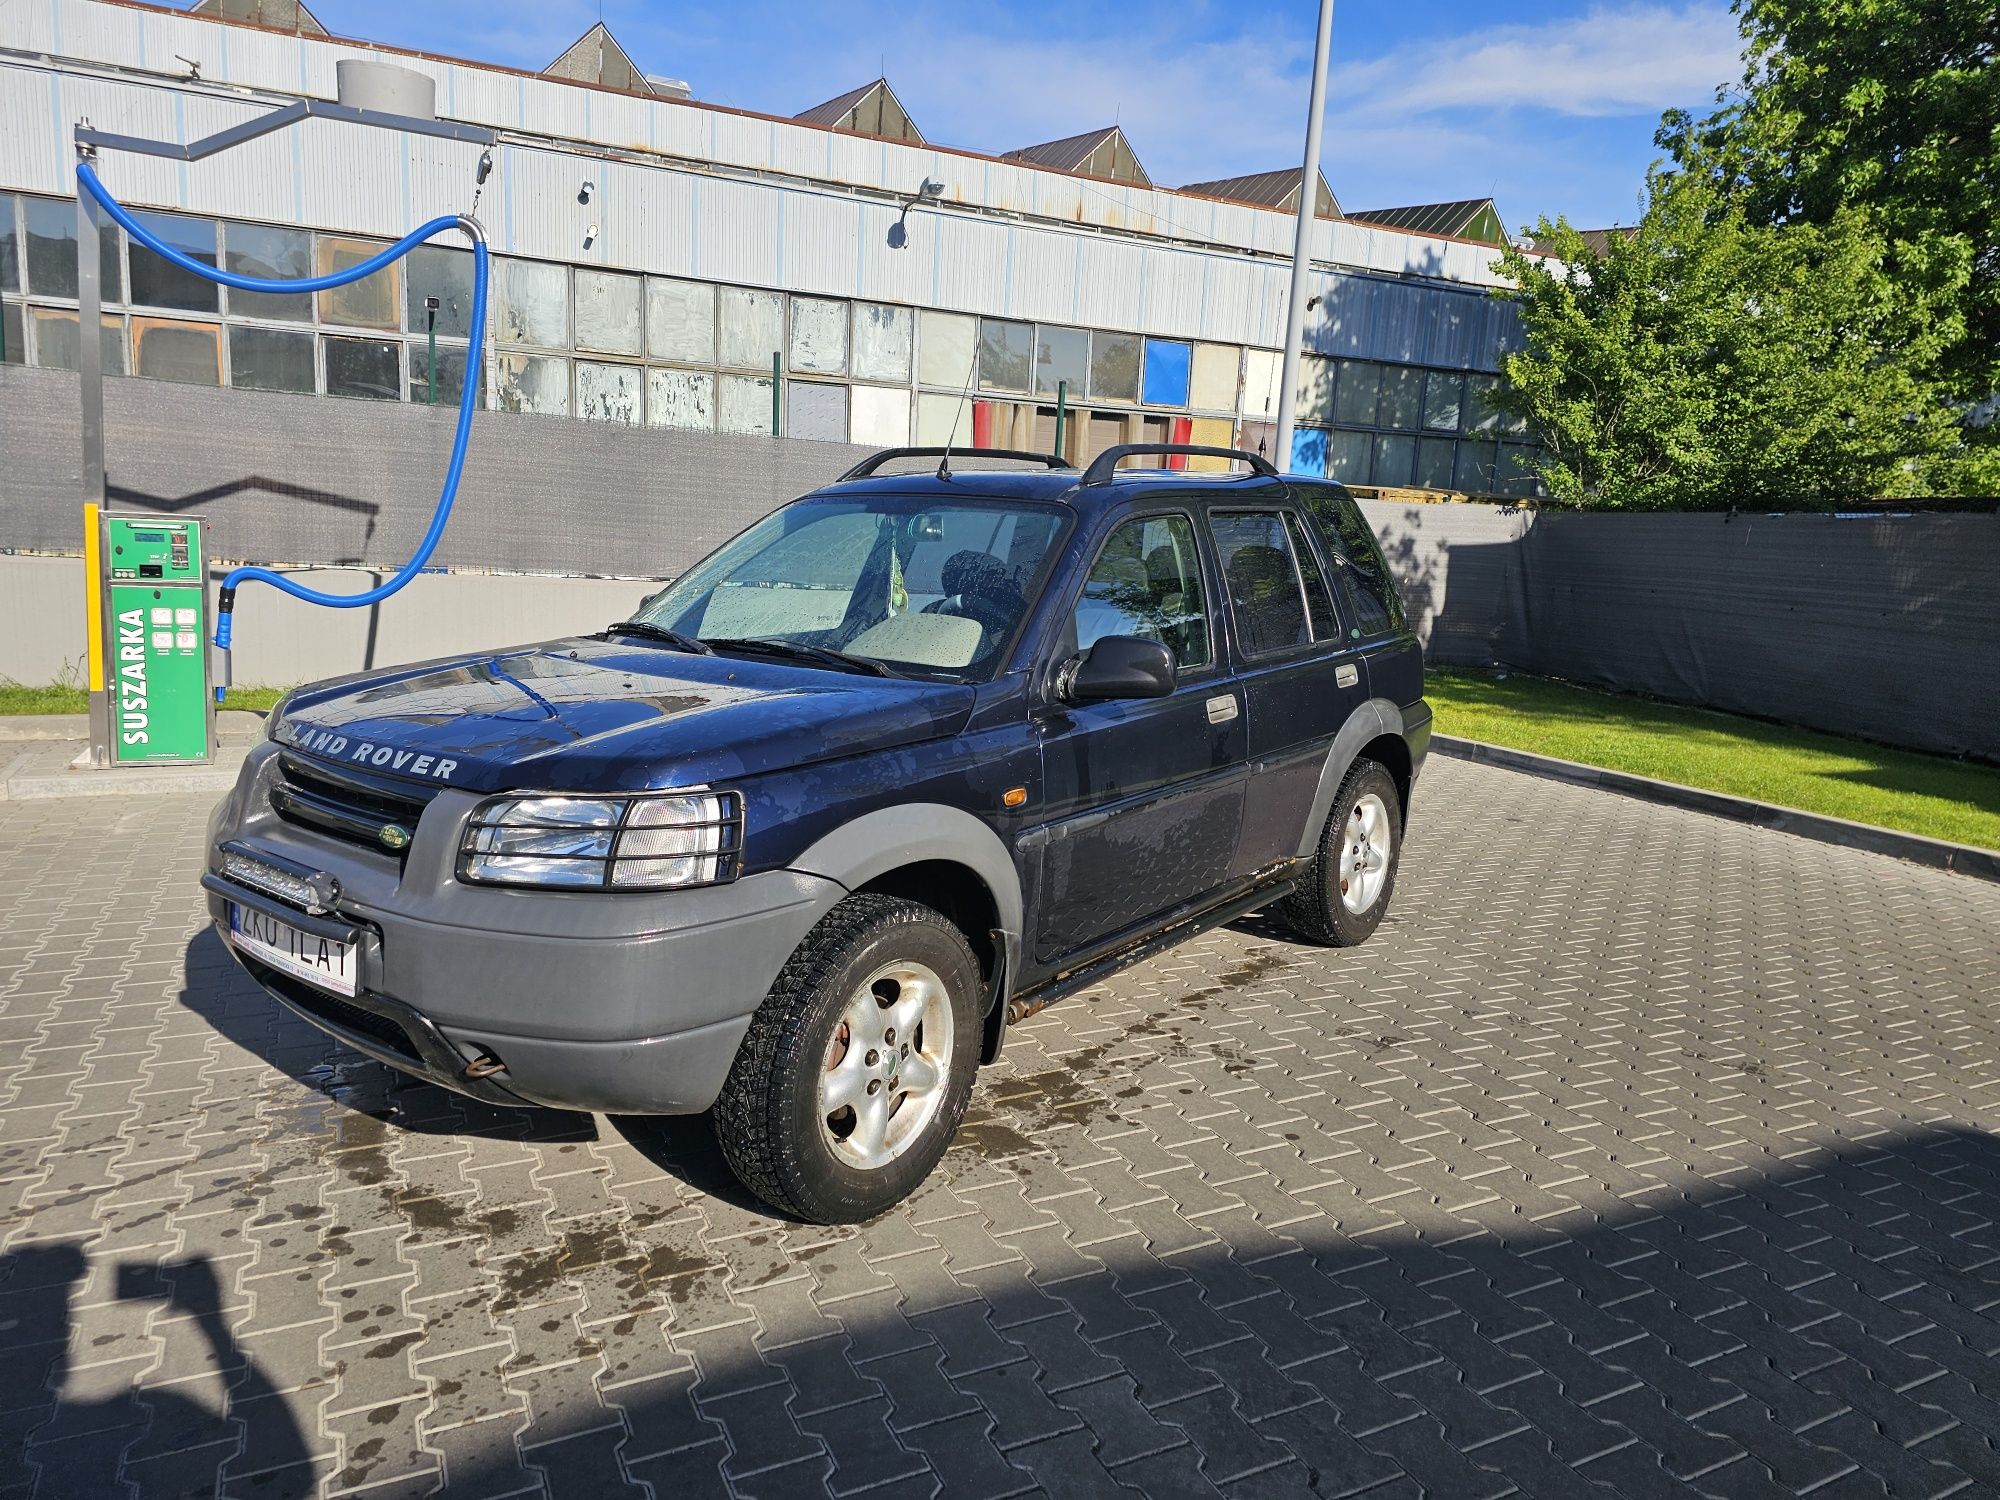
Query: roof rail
875	461
1102	467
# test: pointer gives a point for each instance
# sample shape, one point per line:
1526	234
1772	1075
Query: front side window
1147	582
927	589
1262	576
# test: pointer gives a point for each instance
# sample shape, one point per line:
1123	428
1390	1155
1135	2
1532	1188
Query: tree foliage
1887	105
1809	309
1707	361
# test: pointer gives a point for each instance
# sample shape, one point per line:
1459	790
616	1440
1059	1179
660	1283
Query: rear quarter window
1371	587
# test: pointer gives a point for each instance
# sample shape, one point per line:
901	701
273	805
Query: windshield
927	588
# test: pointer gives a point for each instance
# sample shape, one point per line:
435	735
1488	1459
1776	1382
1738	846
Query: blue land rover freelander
905	761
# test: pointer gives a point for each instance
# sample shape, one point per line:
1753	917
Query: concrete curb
1962	859
42	769
230	724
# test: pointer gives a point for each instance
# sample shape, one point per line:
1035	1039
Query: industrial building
666	262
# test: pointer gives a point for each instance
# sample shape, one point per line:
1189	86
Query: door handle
1346	674
1222	708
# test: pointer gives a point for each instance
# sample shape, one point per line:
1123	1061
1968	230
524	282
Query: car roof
1063	485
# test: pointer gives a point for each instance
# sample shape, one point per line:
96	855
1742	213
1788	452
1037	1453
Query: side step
1049	991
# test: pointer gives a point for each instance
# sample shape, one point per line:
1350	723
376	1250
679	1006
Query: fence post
777	391
1062	400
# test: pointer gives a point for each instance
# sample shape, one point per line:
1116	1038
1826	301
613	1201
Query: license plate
326	962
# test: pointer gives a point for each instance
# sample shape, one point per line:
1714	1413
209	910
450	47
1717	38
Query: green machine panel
156	640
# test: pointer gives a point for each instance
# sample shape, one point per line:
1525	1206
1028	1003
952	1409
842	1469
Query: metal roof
1428	218
839	109
279	15
1072	151
1266	189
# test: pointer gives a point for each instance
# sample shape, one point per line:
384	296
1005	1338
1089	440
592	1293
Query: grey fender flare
878	842
1373	719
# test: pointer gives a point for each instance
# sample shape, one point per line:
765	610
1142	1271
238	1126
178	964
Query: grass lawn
1821	773
16	699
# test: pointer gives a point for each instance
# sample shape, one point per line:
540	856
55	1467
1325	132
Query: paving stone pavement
1639	1154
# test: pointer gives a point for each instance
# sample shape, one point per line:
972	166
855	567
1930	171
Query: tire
1319	910
812	1116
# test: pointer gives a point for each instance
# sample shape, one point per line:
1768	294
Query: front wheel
1345	887
858	1066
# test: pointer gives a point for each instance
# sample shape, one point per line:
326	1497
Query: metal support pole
90	384
1062	400
1302	237
777	391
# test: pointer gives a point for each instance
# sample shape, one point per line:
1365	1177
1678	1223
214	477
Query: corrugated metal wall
1058	266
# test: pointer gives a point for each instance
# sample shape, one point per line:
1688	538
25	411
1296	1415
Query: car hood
590	715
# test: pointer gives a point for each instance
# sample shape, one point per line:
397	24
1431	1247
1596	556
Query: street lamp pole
1295	311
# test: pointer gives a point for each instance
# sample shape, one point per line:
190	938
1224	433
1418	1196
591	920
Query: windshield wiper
824	656
646	630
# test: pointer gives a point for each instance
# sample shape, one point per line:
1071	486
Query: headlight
659	841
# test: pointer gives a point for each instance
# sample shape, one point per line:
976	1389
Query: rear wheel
857	1067
1345	887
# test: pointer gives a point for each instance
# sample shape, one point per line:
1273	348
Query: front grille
335	1011
350	806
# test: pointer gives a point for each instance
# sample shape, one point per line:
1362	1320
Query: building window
879	416
51	231
610	315
610	393
1444	399
451	361
271	254
1402	397
533	307
15	334
753	329
55	340
819	337
681	399
1355	396
1114	367
368	369
1006	355
1169	365
882	344
947	346
744	404
168	349
1062	355
271	359
372	302
535	383
446	274
680	324
10	246
1213	385
816	411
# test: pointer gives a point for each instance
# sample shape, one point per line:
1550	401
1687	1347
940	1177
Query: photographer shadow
160	1440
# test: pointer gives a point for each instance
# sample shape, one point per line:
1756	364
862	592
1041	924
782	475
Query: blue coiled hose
226	604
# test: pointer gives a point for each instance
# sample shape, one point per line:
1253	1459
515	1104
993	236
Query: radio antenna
944	463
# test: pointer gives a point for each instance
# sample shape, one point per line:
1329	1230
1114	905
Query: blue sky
1549	108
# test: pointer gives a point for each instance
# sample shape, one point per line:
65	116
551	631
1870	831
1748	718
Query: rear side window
1261	573
1378	608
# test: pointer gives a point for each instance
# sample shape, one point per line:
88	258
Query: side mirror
1118	666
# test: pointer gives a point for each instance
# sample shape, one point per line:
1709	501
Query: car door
1143	797
1297	672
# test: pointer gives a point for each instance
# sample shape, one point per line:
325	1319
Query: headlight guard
648	841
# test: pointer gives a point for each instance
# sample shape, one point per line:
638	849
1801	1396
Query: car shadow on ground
217	989
220	992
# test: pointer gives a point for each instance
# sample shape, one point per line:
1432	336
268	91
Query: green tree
1888	105
1707	360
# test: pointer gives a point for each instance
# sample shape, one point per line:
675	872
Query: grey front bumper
609	1002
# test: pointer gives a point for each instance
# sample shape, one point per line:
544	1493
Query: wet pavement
1640	1153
